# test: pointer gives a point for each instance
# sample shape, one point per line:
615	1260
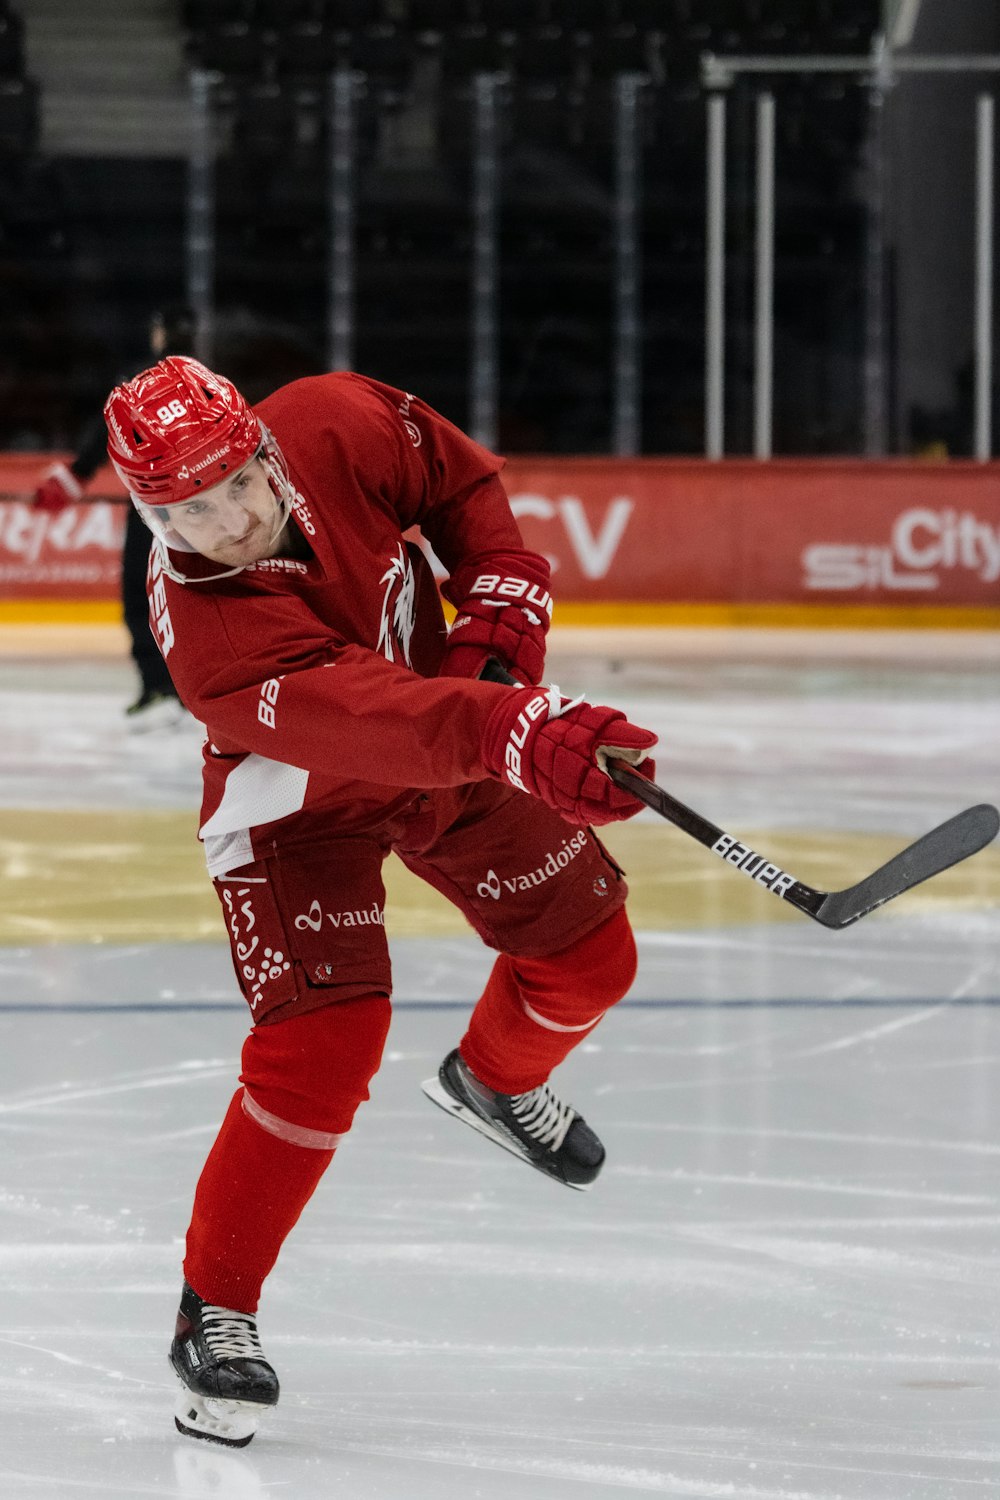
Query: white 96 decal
171	412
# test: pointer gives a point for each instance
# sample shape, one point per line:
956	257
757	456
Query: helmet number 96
171	412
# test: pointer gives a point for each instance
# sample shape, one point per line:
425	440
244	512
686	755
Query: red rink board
784	532
648	531
73	555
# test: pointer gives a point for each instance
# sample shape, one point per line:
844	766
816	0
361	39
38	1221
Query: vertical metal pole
483	393
200	236
984	278
626	395
340	208
875	372
715	277
764	281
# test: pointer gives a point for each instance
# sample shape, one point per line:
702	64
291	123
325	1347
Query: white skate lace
543	1116
230	1335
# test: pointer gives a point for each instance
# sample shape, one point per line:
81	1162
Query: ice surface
783	1287
783	1284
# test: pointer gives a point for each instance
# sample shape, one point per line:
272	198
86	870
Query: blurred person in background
157	705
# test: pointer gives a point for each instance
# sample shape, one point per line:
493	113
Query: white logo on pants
555	861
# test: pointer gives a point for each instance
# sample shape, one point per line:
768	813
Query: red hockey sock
250	1194
534	1011
304	1078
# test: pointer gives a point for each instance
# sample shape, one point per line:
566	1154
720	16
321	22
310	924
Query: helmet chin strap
162	546
282	489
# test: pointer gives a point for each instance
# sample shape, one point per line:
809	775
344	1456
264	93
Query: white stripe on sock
295	1135
554	1025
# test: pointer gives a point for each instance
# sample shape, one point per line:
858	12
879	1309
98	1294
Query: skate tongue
231	1335
544	1116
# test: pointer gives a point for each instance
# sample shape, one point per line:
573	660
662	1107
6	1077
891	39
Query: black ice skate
227	1383
536	1126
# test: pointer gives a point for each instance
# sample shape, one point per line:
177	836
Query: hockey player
344	721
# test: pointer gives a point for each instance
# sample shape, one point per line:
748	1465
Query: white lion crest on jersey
398	608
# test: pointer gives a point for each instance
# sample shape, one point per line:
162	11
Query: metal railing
881	68
484	268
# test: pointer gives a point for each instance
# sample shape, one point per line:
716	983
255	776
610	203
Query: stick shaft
756	867
946	845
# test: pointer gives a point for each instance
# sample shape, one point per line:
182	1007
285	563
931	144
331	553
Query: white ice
784	1285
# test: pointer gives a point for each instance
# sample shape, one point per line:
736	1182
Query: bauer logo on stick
753	864
946	845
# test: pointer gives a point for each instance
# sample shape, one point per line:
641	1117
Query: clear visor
157	517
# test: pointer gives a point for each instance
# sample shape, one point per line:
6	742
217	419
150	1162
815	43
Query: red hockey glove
59	488
557	751
503	612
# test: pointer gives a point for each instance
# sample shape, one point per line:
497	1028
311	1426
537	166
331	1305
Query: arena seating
414	63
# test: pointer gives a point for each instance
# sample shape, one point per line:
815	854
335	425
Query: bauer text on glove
504	610
557	751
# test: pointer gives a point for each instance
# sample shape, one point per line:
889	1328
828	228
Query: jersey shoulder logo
413	431
399	602
156	588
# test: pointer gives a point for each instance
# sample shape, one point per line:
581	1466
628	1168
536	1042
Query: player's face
234	522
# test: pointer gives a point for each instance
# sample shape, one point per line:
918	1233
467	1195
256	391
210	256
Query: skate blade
232	1423
438	1094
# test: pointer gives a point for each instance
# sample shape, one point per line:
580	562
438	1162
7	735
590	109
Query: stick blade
944	846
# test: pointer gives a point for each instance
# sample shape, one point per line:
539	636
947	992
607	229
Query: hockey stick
946	845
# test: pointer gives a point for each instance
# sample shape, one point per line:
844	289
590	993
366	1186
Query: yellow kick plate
138	876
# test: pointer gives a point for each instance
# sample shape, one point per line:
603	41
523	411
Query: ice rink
783	1287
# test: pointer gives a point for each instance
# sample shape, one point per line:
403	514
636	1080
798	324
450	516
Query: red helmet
177	429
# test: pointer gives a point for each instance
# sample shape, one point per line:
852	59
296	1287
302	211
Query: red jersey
316	679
